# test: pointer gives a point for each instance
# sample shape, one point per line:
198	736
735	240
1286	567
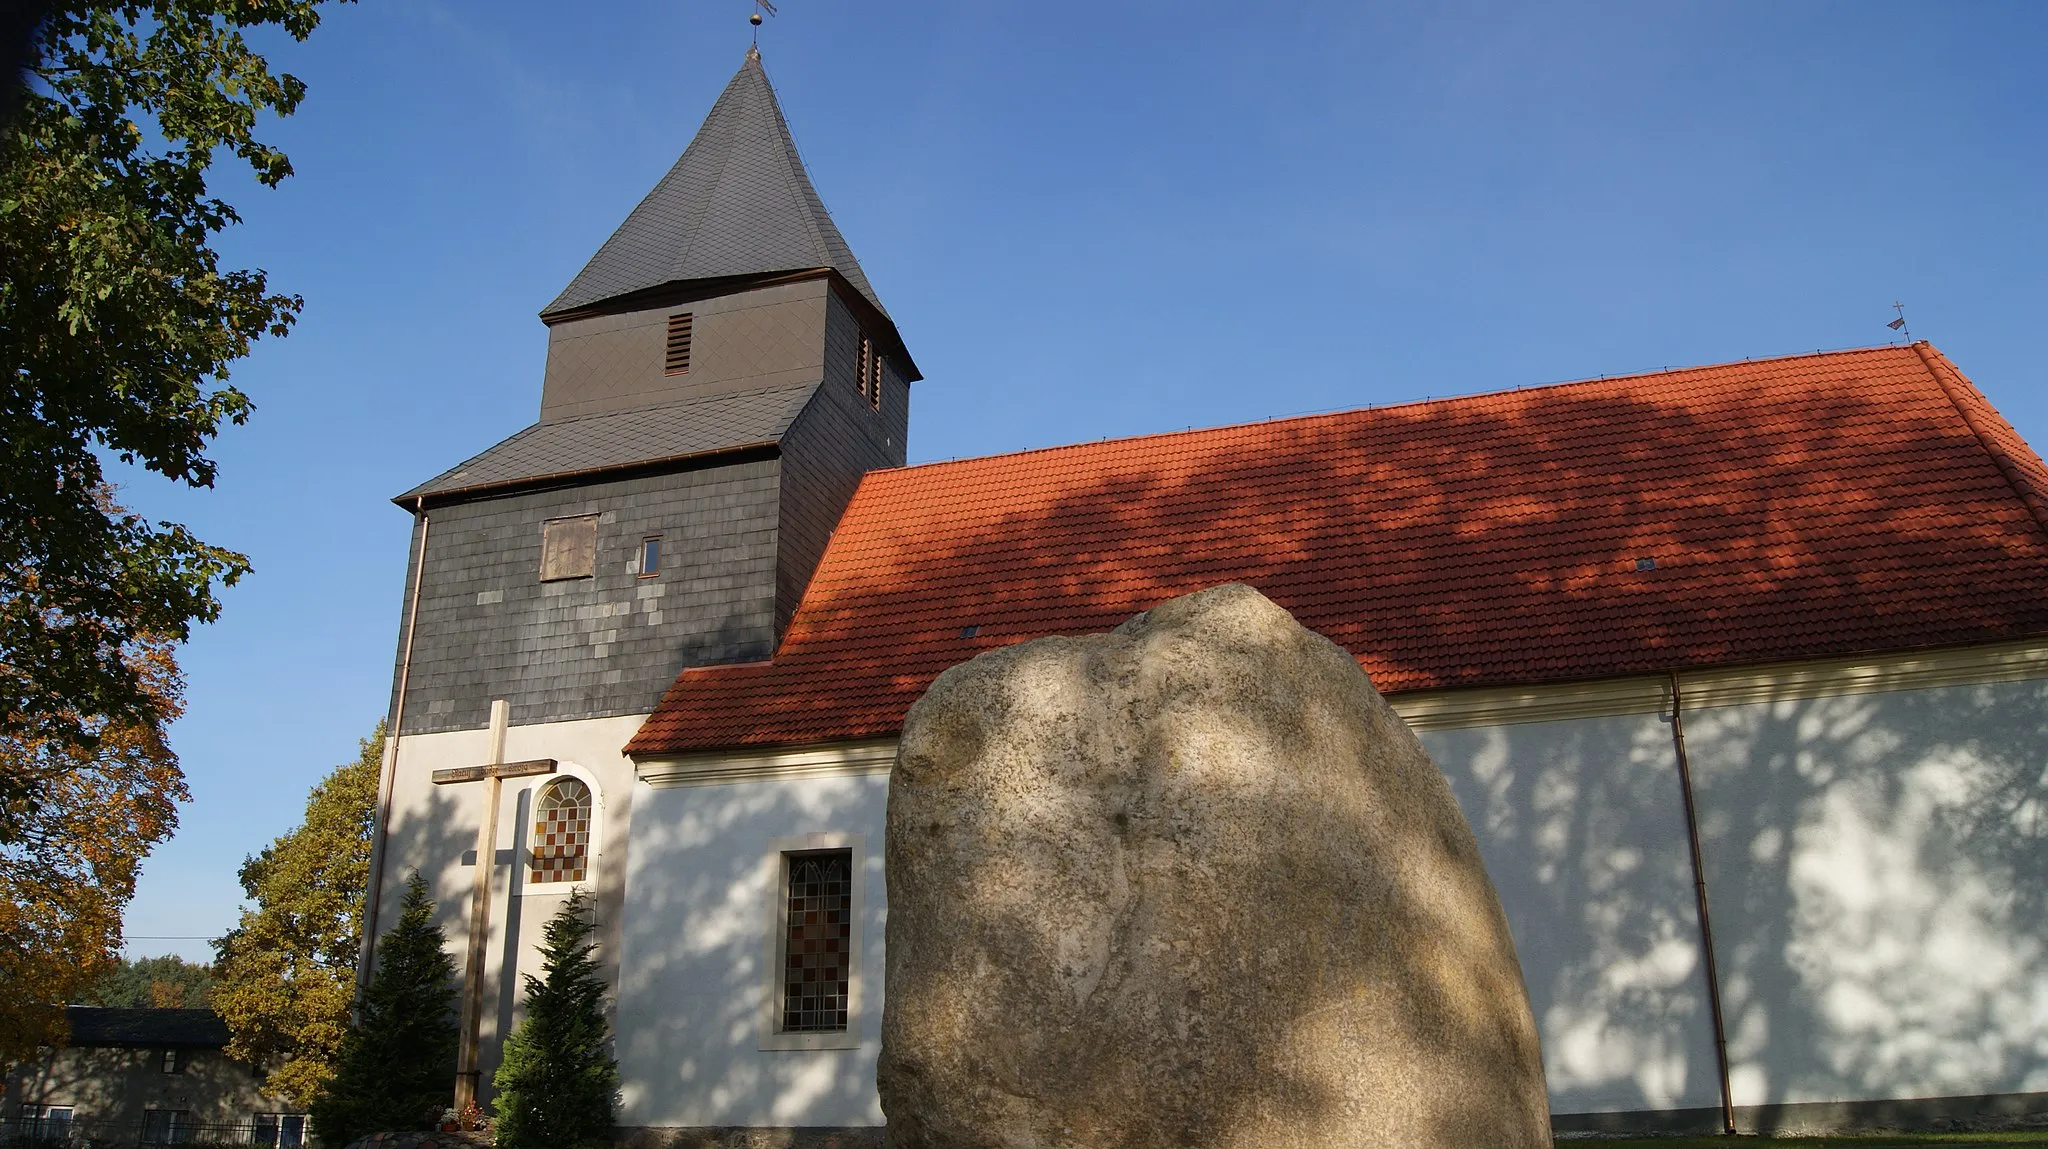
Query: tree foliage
168	982
396	1070
120	327
287	971
73	832
557	1083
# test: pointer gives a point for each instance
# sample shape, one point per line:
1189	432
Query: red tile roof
1802	507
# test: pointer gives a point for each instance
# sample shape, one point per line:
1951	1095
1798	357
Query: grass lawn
1858	1141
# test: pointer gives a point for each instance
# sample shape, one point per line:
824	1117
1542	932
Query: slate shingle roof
102	1026
647	435
1793	508
738	202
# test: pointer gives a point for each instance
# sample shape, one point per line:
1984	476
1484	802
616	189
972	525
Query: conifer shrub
396	1069
557	1083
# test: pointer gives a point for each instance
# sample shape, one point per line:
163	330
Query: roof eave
678	291
417	500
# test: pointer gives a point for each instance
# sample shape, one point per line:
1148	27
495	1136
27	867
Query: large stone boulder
1191	883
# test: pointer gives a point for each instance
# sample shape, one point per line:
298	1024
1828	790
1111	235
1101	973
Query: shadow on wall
1583	831
696	951
438	838
1877	869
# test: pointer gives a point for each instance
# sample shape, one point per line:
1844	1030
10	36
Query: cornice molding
1725	686
1501	706
836	760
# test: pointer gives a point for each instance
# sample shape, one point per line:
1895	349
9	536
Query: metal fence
49	1133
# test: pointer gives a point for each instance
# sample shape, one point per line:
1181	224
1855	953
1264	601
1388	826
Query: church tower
719	376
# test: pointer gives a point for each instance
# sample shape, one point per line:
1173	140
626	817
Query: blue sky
1087	220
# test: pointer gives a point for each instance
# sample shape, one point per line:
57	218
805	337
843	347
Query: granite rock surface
1190	883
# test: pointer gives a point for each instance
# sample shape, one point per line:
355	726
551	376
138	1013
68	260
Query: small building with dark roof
146	1077
1740	673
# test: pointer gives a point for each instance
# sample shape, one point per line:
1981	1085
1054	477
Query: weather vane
1899	324
754	17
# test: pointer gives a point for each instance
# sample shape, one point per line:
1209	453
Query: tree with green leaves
168	982
121	324
396	1070
287	972
557	1083
117	328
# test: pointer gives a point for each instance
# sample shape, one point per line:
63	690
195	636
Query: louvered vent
678	344
870	373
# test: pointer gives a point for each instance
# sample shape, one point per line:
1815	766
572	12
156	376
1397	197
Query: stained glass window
817	965
561	832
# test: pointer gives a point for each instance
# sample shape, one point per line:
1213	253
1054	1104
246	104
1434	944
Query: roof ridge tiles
2025	476
1335	413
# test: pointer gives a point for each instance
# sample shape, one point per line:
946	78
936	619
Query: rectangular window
812	888
166	1126
817	964
174	1062
280	1130
678	360
568	548
40	1122
650	556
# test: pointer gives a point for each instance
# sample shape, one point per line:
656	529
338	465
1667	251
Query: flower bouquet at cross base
471	1118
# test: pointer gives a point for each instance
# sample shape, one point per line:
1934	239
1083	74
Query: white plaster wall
1580	823
433	829
1877	863
1583	831
695	986
1877	867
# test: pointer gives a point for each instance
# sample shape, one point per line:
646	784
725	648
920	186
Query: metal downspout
373	898
1699	889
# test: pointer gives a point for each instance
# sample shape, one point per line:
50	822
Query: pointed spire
738	202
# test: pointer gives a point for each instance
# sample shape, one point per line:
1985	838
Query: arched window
561	832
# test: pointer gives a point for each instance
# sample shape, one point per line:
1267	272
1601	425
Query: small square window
568	548
650	556
173	1061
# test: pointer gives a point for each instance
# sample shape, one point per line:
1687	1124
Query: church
1739	673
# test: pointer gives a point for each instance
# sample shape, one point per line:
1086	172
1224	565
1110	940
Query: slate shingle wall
838	438
587	648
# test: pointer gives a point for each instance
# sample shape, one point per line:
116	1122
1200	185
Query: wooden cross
493	775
